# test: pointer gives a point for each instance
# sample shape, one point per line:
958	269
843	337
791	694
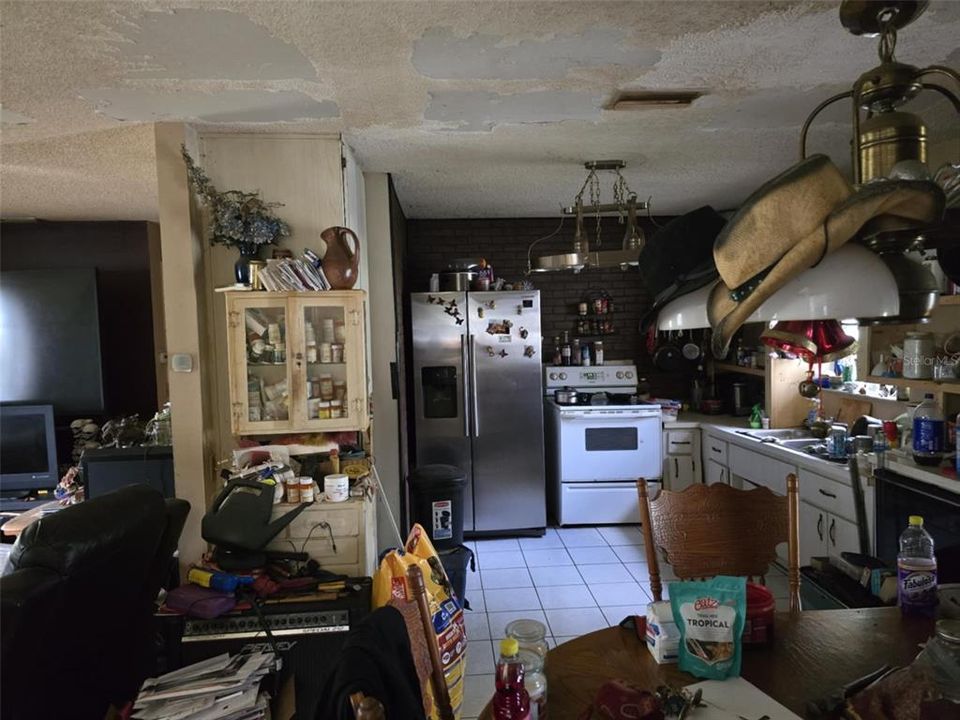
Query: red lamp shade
811	340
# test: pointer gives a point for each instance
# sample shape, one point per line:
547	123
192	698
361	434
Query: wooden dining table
813	653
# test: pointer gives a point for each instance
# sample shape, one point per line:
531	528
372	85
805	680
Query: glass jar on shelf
336	353
336	409
340	390
323	410
326	387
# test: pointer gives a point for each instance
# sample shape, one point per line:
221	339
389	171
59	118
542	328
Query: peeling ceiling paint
228	106
200	43
471	110
439	53
478	109
9	117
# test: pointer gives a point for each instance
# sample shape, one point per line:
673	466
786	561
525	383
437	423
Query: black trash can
455	565
436	497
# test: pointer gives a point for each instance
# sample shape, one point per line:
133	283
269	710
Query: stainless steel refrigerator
479	402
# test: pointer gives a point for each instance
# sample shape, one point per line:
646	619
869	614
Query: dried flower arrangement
238	219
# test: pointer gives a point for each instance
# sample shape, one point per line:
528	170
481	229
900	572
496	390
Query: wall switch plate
181	362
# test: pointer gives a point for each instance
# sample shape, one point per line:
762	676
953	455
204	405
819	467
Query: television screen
28	453
50	331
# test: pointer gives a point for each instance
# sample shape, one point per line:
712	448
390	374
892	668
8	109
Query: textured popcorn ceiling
477	108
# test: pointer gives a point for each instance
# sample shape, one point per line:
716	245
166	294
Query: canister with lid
323	410
326	387
918	355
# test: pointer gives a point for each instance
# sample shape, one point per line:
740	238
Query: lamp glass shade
850	282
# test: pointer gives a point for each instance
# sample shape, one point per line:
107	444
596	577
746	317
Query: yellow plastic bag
390	581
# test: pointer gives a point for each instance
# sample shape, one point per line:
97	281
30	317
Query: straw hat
792	222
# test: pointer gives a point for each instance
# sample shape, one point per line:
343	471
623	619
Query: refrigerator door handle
473	379
464	372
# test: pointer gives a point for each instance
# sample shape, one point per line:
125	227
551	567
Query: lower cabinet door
814	525
717	473
680	472
842	535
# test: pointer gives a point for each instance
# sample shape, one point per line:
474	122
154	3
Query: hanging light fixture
624	206
887	135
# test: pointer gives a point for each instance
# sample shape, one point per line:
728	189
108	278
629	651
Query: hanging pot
690	349
668	356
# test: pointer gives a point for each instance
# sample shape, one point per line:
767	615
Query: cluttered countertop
731	429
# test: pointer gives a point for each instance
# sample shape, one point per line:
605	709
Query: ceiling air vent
645	99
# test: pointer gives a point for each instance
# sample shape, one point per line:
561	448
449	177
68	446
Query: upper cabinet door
259	335
329	361
297	362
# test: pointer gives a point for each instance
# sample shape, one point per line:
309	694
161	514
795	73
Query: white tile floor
574	580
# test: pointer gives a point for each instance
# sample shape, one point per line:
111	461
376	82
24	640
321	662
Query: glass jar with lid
326	387
336	409
323	410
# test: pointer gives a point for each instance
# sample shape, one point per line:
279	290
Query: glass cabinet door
260	336
329	362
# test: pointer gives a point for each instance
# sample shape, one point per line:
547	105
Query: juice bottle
511	700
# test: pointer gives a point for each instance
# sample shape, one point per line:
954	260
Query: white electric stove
596	450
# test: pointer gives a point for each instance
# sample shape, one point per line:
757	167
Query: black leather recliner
76	604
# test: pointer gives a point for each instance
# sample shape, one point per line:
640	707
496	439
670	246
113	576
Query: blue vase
241	268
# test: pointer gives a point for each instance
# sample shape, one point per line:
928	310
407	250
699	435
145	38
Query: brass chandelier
883	134
625	205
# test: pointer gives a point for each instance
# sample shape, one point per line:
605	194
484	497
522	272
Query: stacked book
221	688
294	274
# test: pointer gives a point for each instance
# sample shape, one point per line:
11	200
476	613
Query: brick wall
431	244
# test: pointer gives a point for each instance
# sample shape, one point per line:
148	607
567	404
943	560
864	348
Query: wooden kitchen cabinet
291	352
339	536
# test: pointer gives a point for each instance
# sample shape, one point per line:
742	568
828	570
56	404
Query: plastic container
511	701
323	410
928	432
307	494
436	493
758	628
292	486
916	570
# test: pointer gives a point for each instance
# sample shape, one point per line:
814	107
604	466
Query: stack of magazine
294	274
221	688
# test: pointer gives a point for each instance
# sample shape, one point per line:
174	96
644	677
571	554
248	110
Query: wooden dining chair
423	646
708	530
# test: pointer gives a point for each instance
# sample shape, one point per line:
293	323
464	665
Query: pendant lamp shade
852	282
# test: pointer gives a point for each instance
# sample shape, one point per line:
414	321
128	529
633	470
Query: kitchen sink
799	443
780	435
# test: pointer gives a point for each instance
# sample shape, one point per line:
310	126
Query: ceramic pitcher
342	260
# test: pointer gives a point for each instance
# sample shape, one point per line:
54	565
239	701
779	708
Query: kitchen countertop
727	426
688	420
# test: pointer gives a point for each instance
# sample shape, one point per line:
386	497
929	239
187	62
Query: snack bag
390	581
710	615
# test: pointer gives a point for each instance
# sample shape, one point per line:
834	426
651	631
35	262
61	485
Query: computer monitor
28	449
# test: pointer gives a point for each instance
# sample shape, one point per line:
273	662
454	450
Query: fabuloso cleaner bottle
916	570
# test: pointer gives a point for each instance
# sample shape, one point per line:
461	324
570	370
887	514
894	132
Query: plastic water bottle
511	700
916	570
928	430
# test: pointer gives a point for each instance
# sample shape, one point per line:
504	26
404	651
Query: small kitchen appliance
597	449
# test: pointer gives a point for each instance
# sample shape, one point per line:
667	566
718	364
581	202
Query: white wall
383	340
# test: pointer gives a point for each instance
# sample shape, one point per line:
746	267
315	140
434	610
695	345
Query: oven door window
610	439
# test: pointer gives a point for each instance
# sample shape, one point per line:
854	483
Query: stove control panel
586	377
